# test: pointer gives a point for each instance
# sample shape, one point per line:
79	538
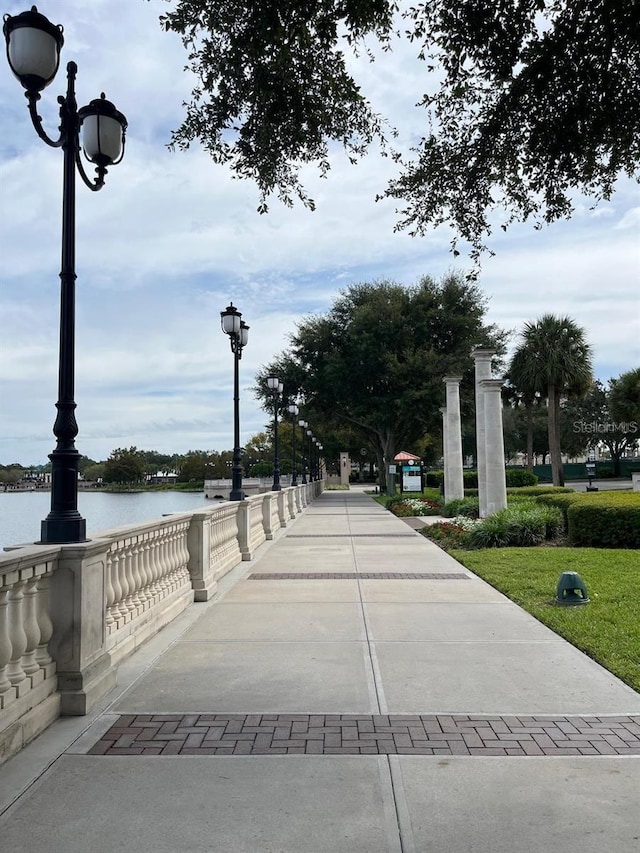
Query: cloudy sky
172	238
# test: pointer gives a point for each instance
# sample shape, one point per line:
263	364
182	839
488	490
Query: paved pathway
352	690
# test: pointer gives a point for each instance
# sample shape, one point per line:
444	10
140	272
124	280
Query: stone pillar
453	460
345	469
482	359
446	485
77	595
494	446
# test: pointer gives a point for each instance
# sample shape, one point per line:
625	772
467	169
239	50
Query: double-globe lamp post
303	426
310	456
293	411
276	387
238	331
33	51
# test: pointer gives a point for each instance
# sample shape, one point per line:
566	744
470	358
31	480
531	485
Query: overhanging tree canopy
535	99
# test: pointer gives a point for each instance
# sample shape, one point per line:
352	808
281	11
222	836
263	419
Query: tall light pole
310	456
33	50
276	387
303	425
293	410
238	331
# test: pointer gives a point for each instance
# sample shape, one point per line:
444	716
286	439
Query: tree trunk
557	473
382	474
530	438
388	448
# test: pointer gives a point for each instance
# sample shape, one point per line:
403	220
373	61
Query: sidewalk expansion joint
470	735
304	576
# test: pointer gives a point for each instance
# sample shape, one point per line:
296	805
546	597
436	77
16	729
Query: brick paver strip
314	576
370	734
351	535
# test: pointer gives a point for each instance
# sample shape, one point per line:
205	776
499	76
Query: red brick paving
304	576
370	734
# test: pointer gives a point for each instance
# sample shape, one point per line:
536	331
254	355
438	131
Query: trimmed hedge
599	519
534	491
610	521
520	477
514	477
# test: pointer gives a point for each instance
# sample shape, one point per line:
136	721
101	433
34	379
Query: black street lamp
276	387
238	331
293	410
33	50
303	425
310	455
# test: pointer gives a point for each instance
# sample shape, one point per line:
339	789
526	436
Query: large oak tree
376	360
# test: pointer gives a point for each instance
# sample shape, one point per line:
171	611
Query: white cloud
172	238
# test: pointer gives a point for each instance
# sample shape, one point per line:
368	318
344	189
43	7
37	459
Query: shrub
520	525
408	507
520	477
493	532
534	491
434	479
605	520
448	534
561	501
468	507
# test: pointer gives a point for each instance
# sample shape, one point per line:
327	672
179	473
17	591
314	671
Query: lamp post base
63	530
236	495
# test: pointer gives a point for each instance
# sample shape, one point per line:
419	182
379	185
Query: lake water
22	512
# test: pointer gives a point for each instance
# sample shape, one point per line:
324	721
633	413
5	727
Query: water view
22	512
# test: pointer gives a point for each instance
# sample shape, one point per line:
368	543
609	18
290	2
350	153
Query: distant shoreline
92	487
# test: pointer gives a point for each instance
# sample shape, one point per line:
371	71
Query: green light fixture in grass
571	590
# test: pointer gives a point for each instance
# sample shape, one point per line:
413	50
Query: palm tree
553	359
524	394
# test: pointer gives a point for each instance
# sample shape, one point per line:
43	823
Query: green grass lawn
607	628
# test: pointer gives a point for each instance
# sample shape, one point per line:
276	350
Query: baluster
170	564
109	588
128	573
120	608
136	559
17	636
174	559
45	625
156	563
32	631
117	584
5	646
185	578
145	573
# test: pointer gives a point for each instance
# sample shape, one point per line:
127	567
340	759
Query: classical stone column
494	446
446	486
453	460
482	359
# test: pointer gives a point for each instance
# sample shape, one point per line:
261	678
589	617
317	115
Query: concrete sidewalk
352	690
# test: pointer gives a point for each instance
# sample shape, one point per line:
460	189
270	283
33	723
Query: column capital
482	354
452	380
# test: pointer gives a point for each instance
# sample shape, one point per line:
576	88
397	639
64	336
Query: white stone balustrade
27	672
70	613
